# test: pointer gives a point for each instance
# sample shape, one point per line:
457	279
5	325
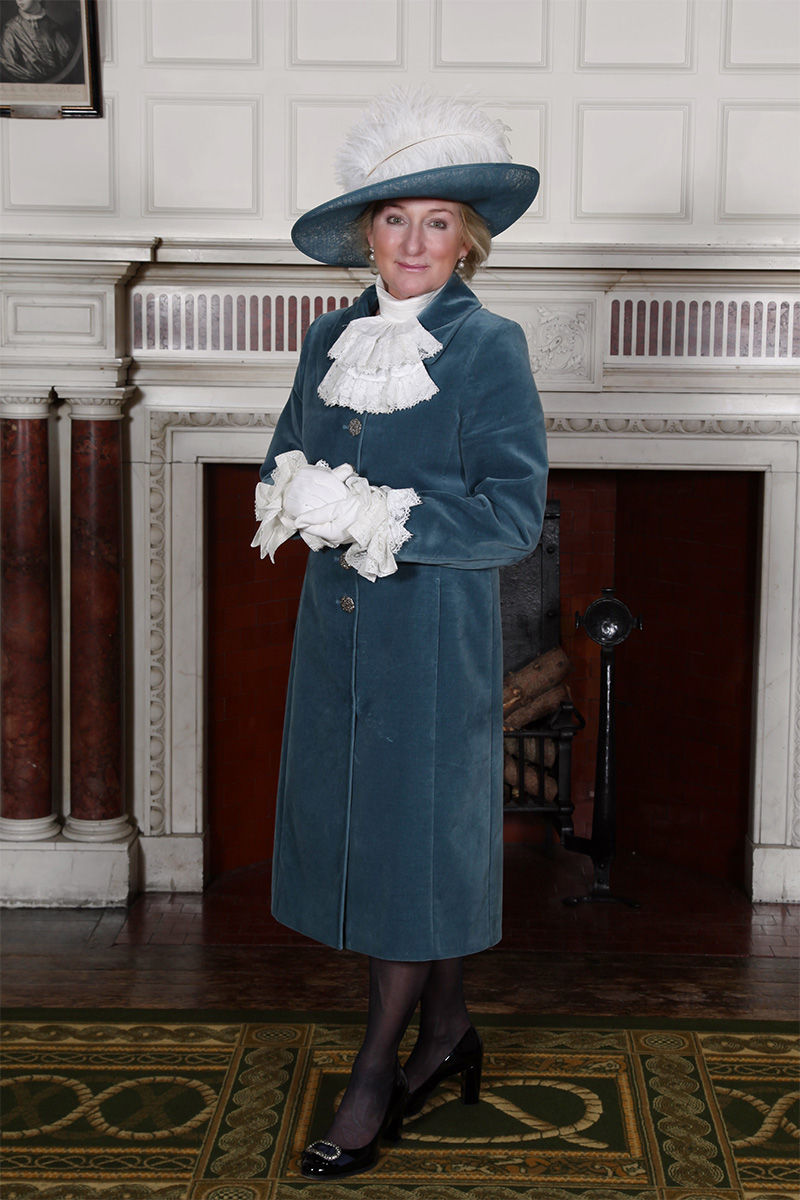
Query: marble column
97	730
26	810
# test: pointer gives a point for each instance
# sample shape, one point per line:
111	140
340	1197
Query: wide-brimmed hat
417	144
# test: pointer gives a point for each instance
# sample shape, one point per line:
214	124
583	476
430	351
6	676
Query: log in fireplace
539	717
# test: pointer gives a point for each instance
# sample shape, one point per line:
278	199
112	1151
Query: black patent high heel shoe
465	1059
326	1160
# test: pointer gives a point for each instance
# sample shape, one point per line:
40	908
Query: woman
411	458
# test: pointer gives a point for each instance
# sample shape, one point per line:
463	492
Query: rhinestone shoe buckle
312	1149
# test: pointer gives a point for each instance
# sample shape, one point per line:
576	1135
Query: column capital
97	404
25	402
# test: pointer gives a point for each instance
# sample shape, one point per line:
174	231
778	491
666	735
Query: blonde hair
473	231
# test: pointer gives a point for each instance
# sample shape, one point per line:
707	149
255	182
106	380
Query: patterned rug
130	1105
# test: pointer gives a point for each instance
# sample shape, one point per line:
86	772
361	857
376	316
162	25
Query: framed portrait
49	59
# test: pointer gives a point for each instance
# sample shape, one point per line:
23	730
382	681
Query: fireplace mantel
648	358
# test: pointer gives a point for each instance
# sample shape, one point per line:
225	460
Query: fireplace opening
251	607
688	558
680	547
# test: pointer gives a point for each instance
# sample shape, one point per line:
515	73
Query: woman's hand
314	488
321	505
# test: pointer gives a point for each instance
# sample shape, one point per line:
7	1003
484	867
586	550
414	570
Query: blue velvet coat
389	820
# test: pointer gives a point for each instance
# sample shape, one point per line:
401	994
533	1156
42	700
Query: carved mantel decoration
692	426
163	427
559	341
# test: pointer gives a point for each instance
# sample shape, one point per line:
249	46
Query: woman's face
416	244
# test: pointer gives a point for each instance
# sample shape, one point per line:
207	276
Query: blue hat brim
499	192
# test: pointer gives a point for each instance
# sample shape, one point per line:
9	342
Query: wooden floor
694	948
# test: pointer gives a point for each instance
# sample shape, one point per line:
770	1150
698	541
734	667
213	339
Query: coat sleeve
497	518
288	433
274	528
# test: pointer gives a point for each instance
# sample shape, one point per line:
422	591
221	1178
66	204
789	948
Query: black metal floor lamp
608	622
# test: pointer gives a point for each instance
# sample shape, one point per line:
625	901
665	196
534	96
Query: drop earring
460	265
371	255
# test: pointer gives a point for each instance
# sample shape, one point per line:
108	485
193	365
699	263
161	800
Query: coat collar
442	317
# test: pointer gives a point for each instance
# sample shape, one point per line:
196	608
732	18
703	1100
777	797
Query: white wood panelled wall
660	121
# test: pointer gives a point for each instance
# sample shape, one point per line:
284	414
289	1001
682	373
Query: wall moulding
528	147
311	124
40	319
734	262
62	377
86	248
69	315
63	323
176	766
775	46
637	151
95	144
616	30
680	257
778	255
447	19
721	427
171	133
751	176
183	32
106	20
380	23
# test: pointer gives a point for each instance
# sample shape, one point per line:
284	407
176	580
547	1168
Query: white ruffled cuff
276	527
376	534
380	529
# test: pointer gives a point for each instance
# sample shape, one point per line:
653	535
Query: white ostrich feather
404	132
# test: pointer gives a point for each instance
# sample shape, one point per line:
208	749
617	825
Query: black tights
395	989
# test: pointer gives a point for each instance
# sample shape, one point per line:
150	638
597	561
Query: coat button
347	604
354	427
343	561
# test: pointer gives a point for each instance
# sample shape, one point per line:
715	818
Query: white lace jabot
378	361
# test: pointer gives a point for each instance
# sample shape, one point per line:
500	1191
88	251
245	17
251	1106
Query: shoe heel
394	1130
471	1083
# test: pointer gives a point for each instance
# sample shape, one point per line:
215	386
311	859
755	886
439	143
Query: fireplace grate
530	618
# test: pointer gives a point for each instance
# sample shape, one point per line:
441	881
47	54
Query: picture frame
49	59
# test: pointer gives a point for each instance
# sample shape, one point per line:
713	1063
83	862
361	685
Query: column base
173	862
773	874
32	829
110	830
68	874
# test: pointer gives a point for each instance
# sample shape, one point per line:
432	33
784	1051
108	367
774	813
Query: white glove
321	505
315	487
330	525
333	508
